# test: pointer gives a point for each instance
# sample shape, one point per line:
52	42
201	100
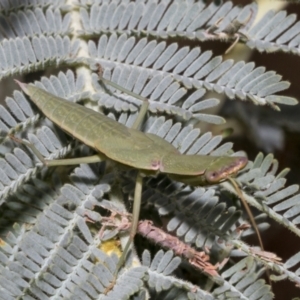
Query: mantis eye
213	176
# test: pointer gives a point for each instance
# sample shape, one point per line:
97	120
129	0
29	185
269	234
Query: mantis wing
143	151
149	152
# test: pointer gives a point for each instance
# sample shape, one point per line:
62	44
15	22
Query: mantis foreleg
143	110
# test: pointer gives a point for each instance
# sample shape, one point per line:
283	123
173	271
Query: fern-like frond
159	280
31	23
275	31
166	96
164	19
123	290
19	163
11	5
22	55
266	188
189	67
49	248
241	282
287	273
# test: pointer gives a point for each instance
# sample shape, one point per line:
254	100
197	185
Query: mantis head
219	171
199	170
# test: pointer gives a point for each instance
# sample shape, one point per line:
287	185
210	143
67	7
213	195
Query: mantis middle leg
139	180
135	219
60	162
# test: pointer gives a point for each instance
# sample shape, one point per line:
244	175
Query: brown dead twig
266	256
199	260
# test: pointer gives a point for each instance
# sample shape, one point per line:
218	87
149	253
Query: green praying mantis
146	152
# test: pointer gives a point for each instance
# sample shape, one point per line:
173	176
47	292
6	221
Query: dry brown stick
199	260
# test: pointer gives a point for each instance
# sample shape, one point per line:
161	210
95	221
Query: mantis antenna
251	217
248	210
